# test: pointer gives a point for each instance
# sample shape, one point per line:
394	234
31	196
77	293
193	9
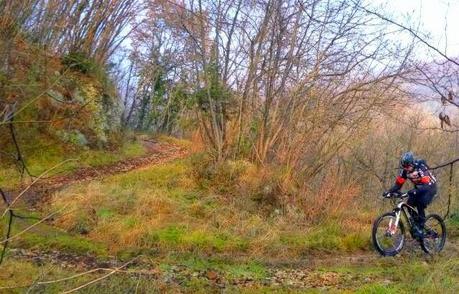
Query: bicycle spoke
388	236
434	239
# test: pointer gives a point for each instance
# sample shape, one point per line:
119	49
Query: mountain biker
425	187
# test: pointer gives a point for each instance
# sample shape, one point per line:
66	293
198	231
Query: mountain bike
388	233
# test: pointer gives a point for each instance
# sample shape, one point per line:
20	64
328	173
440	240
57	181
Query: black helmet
407	159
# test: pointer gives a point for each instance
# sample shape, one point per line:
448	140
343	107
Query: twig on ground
31	226
31	184
101	278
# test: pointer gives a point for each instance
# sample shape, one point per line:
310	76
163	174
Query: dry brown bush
334	197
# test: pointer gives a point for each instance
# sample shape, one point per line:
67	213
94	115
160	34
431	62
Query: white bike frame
398	210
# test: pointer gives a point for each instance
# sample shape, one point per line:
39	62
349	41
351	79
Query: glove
397	194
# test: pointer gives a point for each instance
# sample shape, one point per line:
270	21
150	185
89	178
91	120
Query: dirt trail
157	153
313	271
309	272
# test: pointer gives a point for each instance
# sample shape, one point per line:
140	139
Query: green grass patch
45	156
47	238
228	267
161	176
219	242
452	224
103	157
380	288
175	141
105	213
402	275
180	237
170	236
64	243
328	237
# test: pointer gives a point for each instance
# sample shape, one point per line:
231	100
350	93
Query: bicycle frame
407	210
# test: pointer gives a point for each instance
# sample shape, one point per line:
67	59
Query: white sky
440	18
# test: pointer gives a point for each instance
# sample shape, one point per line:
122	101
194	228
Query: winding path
157	153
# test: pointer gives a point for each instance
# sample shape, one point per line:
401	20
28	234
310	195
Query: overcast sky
440	18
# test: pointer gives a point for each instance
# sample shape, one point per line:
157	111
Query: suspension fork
402	207
393	226
398	212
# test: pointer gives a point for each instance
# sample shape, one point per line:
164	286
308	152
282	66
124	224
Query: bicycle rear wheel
435	234
387	238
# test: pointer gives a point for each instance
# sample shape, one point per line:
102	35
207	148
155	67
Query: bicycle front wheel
435	234
388	238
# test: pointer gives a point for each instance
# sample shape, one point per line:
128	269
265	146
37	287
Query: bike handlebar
396	195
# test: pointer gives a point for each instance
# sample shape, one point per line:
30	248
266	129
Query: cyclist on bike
425	186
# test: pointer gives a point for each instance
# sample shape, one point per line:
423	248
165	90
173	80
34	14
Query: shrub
79	61
330	200
201	169
224	177
264	185
74	137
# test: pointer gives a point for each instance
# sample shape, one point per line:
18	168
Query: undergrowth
170	208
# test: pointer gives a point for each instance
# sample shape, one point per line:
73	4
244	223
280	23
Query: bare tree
95	27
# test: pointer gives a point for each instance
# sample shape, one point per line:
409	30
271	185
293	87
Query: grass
192	277
163	213
45	156
452	224
405	275
63	243
230	268
175	141
47	238
26	275
163	209
190	274
328	237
